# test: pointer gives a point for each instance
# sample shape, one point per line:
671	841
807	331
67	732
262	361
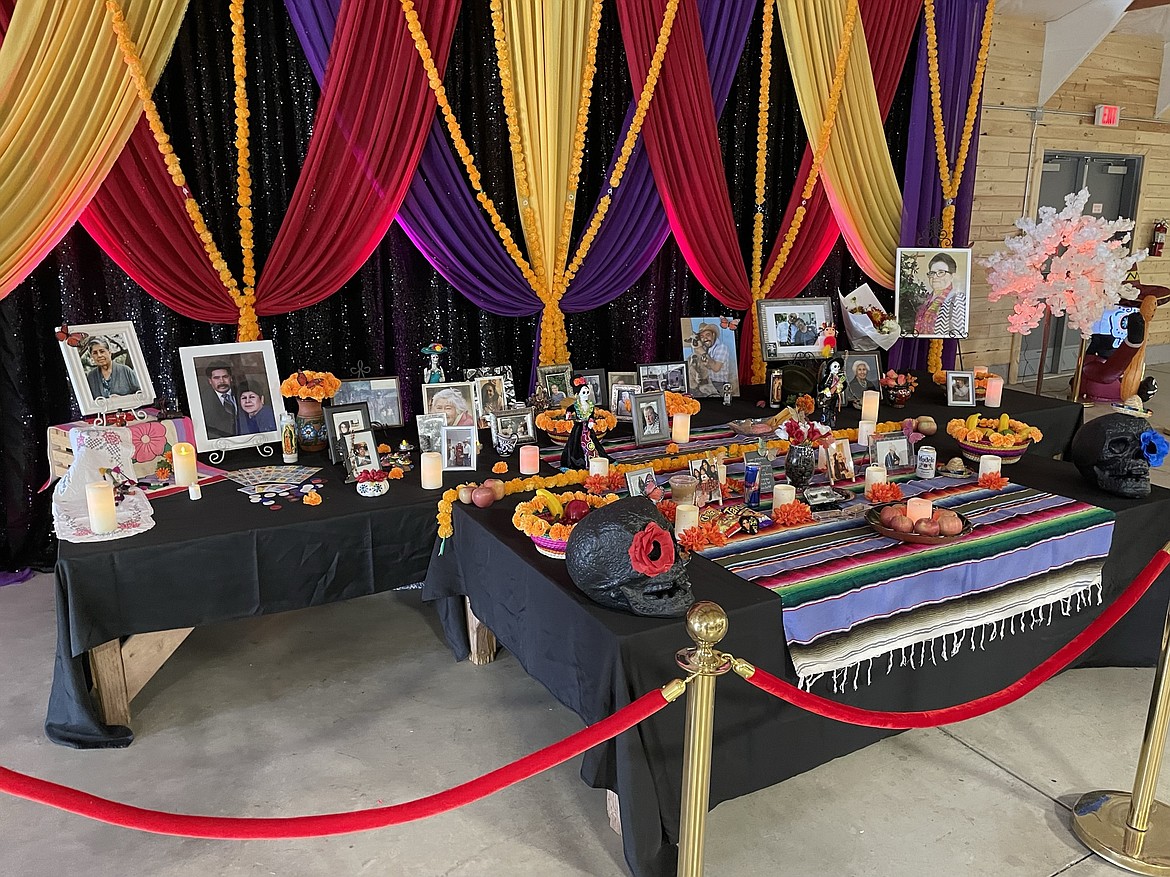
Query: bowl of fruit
548	519
941	527
1005	438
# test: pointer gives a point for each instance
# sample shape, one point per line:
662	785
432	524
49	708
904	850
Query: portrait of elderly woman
106	377
106	366
861	373
453	401
932	293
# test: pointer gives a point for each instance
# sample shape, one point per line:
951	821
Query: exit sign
1108	115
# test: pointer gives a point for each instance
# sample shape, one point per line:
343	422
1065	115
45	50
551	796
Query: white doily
94	449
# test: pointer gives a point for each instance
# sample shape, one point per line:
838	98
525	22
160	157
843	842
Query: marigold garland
762	146
554	421
248	328
991	431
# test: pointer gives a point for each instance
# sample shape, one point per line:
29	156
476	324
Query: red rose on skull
652	551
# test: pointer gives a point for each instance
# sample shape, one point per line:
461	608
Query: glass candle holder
682	489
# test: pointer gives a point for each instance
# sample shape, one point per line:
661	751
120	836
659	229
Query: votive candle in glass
599	466
103	512
682	488
183	455
918	508
870	400
782	494
529	459
431	467
680	428
994	397
989	464
874	475
686	516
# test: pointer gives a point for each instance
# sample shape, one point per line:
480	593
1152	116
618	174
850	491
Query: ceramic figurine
583	445
433	373
831	391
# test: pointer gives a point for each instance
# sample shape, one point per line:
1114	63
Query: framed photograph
557	380
890	449
776	387
430	431
621	400
709	352
641	482
651	422
456	401
663	376
791	327
595	378
627	378
517	423
459	443
233	394
380	394
932	292
490	398
361	454
489	371
105	362
862	371
709	491
767	473
840	462
344	420
961	388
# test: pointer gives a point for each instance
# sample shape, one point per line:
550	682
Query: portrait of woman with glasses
934	302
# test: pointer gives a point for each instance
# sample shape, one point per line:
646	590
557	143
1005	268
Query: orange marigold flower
395	473
888	492
805	404
992	481
162	473
672	448
792	513
668	508
560	532
500	468
383	448
311	498
538	527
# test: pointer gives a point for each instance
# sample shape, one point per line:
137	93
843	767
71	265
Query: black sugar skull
623	556
1109	452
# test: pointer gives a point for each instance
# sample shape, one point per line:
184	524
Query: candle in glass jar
919	508
432	470
782	494
529	459
864	430
989	464
686	516
183	455
869	405
103	513
874	475
994	397
721	469
599	466
680	428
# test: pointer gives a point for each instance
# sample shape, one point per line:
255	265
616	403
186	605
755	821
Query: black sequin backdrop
396	303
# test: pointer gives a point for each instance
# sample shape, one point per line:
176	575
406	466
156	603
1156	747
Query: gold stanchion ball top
706	622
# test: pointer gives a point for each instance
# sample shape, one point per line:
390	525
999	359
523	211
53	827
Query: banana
972	421
1004	423
552	503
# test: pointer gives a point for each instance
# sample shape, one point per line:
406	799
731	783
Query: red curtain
372	120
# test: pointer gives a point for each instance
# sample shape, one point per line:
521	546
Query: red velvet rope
852	715
272	828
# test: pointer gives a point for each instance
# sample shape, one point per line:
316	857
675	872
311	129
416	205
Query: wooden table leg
121	669
109	682
483	641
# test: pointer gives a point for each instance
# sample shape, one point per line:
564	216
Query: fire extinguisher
1159	238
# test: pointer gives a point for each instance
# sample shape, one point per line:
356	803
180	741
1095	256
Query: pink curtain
372	120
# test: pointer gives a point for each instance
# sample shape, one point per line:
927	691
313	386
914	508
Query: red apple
575	510
901	524
483	496
465	493
926	527
951	525
887	515
497	487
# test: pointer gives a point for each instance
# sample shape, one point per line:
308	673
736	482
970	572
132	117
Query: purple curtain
442	217
959	24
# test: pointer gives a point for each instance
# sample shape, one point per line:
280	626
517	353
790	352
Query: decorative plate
872	517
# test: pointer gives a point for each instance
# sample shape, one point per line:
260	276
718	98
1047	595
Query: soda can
927	462
751	485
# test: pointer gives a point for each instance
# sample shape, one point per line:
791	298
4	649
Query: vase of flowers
800	461
309	388
372	483
899	387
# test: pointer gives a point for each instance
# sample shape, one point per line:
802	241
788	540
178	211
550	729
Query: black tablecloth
595	661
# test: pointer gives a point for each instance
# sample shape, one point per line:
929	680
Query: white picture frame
459	447
924	275
840	460
517	423
787	328
361	454
638	483
961	389
80	343
891	449
430	431
249	364
491	397
456	400
621	395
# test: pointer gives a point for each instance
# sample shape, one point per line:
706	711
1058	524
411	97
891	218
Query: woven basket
554	548
974	450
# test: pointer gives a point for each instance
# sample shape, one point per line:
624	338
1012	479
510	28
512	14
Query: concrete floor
357	704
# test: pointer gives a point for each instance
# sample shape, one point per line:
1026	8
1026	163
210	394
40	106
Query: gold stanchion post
1132	830
707	625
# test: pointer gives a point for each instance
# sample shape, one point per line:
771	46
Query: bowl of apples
891	520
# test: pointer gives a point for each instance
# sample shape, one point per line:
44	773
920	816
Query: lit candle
103	514
686	516
989	464
529	459
874	475
432	470
864	430
782	494
680	428
599	466
721	469
183	455
980	371
869	405
994	396
919	508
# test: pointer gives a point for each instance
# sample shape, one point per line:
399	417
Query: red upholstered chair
1117	376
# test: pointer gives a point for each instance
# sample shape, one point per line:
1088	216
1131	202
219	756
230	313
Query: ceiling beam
1137	5
1163	84
1070	39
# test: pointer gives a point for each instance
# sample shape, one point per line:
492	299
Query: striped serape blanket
851	596
624	450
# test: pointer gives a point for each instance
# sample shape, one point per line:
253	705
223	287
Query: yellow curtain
858	174
547	44
67	106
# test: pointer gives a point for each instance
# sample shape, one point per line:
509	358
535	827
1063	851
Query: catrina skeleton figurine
583	444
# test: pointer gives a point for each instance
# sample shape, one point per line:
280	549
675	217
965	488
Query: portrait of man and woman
234	401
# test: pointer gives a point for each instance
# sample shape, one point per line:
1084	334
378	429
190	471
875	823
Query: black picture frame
333	418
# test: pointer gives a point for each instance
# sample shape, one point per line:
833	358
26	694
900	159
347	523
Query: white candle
994	396
680	428
432	470
989	464
529	459
919	508
874	475
869	405
183	456
686	516
99	500
599	466
864	430
721	469
194	491
782	494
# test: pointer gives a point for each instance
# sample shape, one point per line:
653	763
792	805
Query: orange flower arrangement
556	423
310	385
885	492
677	403
997	432
672	448
732	487
500	468
526	518
311	498
805	404
993	481
703	535
792	513
383	448
395	473
668	508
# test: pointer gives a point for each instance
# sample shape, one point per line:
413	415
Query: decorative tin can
288	437
927	462
751	485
